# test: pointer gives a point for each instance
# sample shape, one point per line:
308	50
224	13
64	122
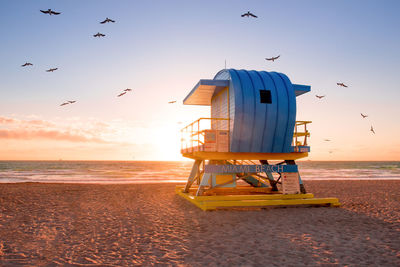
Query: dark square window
265	96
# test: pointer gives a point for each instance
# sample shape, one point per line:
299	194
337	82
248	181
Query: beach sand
113	225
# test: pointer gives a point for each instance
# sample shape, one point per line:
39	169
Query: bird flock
362	115
248	14
341	84
97	35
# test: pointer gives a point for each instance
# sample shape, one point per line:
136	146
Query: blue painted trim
254	115
271	114
248	111
283	109
300	181
260	113
237	124
291	113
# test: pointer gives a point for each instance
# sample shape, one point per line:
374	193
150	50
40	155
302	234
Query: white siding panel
219	109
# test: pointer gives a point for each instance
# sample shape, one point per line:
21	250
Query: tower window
265	96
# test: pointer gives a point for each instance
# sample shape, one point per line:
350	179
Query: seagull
50	12
372	130
171	102
71	102
127	90
364	116
272	58
52	69
99	35
65	103
27	64
248	14
121	94
342	84
327	140
320	96
107	20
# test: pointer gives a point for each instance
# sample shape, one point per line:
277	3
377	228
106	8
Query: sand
114	225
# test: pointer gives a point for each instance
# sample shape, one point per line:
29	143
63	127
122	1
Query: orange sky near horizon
77	139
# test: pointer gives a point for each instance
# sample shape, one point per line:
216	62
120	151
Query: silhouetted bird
99	35
249	14
327	140
320	96
127	90
342	84
372	130
171	102
272	58
65	103
107	20
50	12
27	64
364	116
121	94
71	102
52	69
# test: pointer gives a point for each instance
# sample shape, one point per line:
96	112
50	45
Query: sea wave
107	172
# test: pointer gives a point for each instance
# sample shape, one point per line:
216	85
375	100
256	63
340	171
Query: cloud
47	134
5	120
28	129
40	123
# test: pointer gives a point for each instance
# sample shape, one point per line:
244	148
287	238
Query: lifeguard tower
252	123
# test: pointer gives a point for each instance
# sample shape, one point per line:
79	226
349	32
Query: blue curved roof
255	126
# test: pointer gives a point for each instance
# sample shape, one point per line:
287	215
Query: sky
161	49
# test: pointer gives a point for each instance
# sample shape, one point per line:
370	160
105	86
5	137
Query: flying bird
107	20
372	130
50	12
52	69
67	103
327	140
171	102
364	116
272	58
27	64
342	84
124	92
320	96
249	14
99	35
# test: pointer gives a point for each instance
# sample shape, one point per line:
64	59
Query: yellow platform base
254	200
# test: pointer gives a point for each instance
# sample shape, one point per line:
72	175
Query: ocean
120	172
